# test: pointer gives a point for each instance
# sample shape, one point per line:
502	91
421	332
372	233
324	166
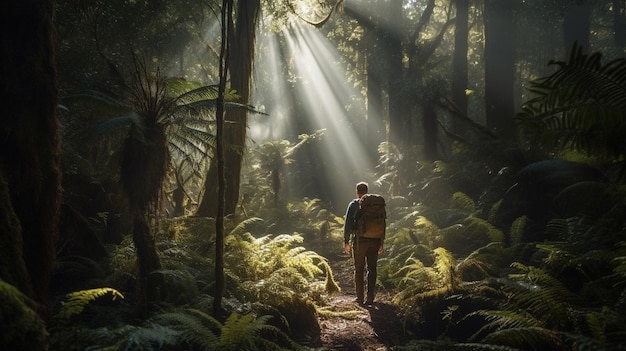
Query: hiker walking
363	235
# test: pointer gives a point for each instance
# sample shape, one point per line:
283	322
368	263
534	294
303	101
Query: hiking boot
369	304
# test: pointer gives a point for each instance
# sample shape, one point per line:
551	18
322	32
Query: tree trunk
619	23
459	58
430	130
142	171
151	283
576	26
398	124
30	145
499	17
241	66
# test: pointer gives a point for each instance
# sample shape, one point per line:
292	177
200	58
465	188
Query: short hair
362	188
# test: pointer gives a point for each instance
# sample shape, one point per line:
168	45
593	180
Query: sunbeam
321	89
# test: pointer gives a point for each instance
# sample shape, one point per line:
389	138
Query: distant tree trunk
29	147
459	58
241	67
619	23
398	124
576	25
374	133
376	75
499	17
430	130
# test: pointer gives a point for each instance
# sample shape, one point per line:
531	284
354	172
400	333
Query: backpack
371	217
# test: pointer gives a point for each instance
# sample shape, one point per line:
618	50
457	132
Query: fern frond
243	332
76	301
502	319
532	338
154	337
195	328
516	233
548	298
444	265
462	201
246	225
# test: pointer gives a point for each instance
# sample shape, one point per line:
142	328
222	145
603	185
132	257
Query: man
364	250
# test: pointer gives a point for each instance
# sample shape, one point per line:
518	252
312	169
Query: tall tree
499	21
236	120
459	58
619	23
220	282
30	189
398	124
576	24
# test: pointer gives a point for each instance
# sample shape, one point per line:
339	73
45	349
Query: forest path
359	328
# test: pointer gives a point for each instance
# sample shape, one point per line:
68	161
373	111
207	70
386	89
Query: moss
22	328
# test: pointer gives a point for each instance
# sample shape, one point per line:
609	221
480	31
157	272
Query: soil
360	327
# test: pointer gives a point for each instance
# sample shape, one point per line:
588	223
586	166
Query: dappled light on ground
350	326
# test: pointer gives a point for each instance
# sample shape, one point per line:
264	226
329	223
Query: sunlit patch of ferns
276	265
420	284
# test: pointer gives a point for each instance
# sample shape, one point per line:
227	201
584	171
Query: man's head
361	189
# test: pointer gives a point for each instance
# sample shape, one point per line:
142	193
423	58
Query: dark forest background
152	200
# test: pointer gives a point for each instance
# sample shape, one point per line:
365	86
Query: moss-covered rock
22	328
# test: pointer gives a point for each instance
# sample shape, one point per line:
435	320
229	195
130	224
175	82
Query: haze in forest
174	174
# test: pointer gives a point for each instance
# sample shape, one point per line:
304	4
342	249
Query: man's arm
348	224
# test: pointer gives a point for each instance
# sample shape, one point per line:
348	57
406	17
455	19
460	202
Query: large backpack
371	217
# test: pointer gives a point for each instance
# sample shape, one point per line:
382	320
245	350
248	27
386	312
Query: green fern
463	202
503	319
197	329
545	297
246	333
76	301
528	338
516	233
582	105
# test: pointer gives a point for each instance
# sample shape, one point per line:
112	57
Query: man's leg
372	262
358	254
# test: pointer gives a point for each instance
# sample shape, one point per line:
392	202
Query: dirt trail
376	328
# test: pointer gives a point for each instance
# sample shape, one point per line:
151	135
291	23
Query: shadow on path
351	326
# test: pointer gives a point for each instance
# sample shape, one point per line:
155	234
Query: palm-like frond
246	332
529	338
503	319
582	104
196	328
546	297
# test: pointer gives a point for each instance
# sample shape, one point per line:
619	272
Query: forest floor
357	327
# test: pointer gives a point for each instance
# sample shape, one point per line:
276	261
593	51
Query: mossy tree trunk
30	191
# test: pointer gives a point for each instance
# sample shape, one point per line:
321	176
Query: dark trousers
365	251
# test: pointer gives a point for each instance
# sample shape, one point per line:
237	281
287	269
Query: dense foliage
493	242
